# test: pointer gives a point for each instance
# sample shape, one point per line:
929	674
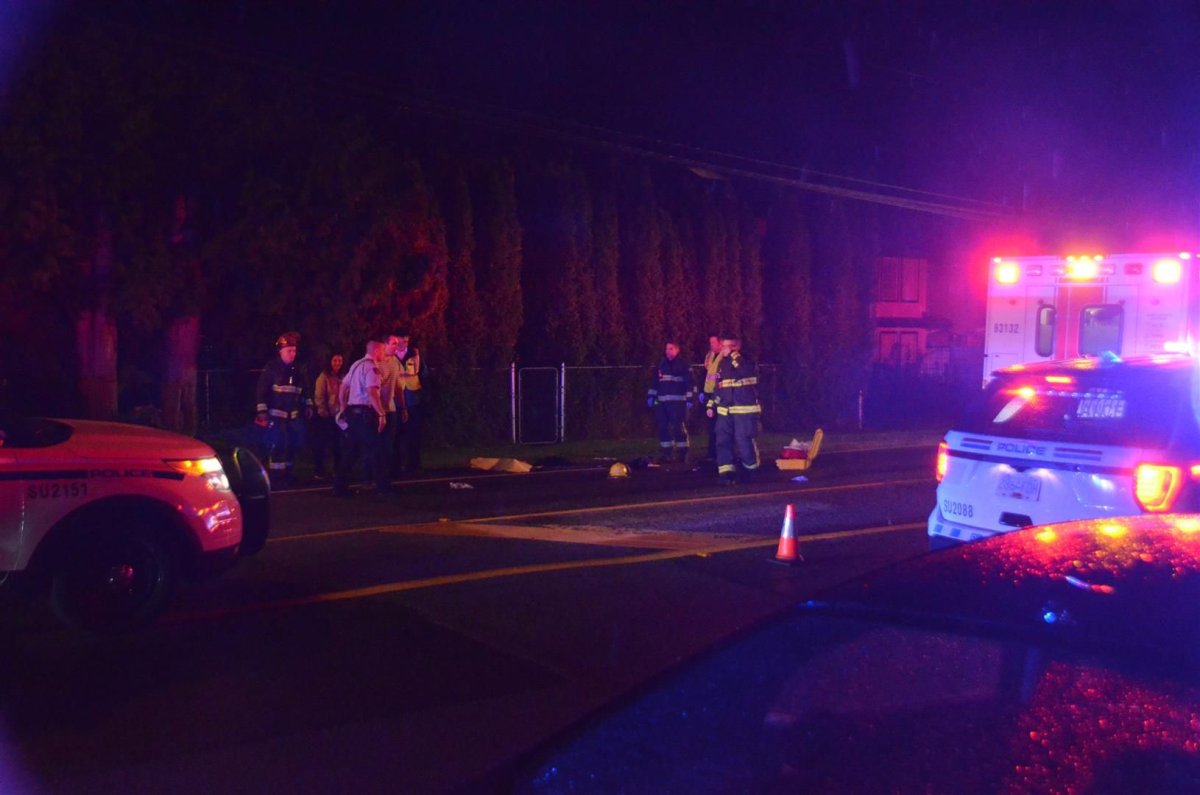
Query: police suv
1080	439
106	518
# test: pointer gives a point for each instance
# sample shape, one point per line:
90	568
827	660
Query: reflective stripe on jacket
283	390
672	381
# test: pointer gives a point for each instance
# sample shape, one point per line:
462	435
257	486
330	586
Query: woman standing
326	436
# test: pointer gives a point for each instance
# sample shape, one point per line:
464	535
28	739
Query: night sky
1077	122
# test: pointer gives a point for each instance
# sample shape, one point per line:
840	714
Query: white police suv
105	518
1080	439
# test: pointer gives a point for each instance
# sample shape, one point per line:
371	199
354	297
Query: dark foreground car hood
946	674
1109	583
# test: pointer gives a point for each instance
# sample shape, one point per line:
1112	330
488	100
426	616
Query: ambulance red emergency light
1042	308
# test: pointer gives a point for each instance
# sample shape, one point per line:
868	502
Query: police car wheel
117	579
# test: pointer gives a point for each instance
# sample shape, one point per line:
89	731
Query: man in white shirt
366	417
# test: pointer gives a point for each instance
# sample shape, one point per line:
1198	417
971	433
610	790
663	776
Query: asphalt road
411	643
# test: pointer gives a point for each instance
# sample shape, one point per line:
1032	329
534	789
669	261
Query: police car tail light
1156	486
207	468
943	460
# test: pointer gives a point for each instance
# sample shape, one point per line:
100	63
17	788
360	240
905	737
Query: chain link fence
527	405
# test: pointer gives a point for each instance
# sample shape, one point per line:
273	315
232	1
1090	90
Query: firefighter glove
650	402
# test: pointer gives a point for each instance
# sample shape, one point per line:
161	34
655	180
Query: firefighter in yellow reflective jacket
734	404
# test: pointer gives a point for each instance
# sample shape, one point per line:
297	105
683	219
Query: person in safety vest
711	360
411	400
734	405
670	396
284	403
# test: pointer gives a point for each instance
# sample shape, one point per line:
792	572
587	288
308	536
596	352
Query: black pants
408	447
366	448
326	439
389	441
712	437
670	417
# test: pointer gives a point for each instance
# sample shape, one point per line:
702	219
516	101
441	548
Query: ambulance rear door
1020	325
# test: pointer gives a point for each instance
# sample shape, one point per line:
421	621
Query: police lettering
1022	449
120	473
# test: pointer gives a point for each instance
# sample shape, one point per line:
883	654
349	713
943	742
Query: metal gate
539	405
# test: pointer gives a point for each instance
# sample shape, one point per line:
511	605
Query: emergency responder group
730	400
370	417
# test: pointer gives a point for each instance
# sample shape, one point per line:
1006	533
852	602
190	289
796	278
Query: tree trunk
96	343
179	382
96	335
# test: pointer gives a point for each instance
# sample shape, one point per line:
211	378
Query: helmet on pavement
618	470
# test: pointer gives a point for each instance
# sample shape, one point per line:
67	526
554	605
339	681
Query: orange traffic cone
787	552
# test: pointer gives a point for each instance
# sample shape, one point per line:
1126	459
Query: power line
803	171
918	205
495	119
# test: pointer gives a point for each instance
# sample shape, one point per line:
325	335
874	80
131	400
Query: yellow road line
515	571
561	534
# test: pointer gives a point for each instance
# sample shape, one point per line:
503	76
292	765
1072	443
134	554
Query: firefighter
284	402
734	405
670	395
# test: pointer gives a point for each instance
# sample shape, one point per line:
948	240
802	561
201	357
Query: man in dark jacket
284	402
670	395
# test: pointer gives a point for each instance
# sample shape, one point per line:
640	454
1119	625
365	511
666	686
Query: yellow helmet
618	470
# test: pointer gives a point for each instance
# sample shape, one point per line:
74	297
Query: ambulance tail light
1167	271
1157	486
943	461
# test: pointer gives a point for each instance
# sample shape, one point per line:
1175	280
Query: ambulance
1048	307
